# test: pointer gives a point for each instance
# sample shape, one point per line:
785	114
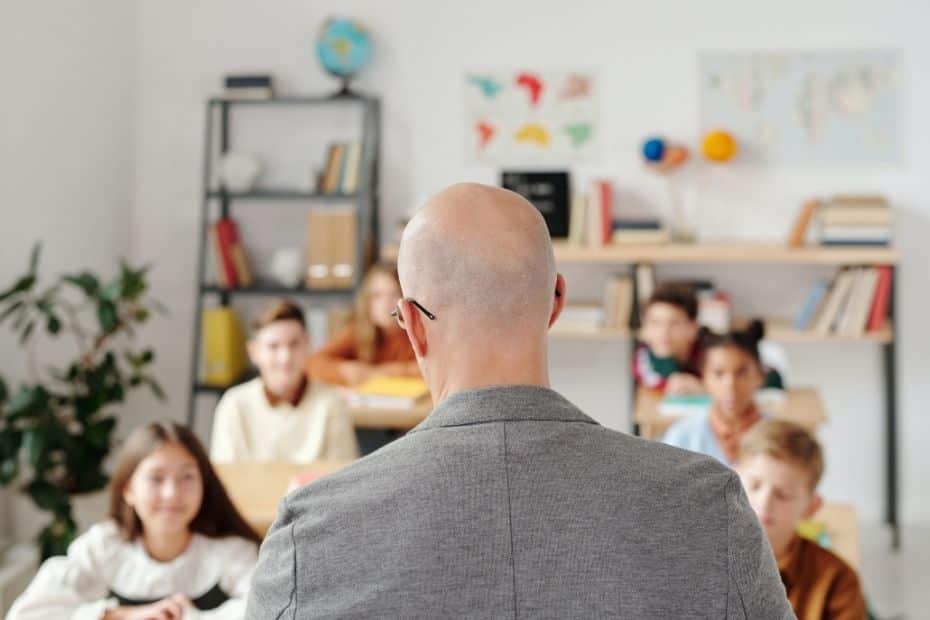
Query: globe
343	48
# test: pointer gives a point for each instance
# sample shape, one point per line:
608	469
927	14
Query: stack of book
855	220
388	393
232	267
341	172
248	87
856	302
643	229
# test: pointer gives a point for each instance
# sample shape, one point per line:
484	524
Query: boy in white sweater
280	416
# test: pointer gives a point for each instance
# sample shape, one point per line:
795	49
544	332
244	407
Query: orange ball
675	156
719	146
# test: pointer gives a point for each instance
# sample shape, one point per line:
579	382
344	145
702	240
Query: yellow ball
719	146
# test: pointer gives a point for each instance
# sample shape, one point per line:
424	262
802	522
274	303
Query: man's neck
291	394
474	369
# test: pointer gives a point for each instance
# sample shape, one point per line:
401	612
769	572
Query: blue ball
654	149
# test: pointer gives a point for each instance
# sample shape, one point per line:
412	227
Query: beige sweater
246	427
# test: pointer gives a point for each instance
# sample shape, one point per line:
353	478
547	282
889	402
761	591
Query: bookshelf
218	202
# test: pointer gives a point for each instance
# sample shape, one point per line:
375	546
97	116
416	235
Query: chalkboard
548	191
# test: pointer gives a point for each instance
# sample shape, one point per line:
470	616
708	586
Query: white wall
645	54
65	133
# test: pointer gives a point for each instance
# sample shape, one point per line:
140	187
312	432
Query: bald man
509	502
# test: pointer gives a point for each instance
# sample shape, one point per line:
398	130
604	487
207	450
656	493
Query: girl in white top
175	547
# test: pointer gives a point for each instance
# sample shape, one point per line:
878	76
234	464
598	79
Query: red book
880	303
226	235
607	211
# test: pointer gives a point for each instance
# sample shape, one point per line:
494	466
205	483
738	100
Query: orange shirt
392	346
819	584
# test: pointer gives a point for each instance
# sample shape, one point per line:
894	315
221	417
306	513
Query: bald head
481	256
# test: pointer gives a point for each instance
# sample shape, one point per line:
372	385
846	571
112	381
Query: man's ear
813	507
416	330
559	302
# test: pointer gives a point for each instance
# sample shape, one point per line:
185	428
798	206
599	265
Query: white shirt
246	427
81	585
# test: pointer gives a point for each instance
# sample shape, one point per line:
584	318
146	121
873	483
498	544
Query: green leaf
22	285
11	309
85	281
147	357
112	291
153	385
8	470
28	400
10	441
141	315
34	444
53	325
98	433
58	536
3	390
34	258
27	331
46	495
106	314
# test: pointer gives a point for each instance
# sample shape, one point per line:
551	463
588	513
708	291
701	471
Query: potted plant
56	427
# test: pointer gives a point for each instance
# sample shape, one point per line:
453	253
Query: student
373	345
668	354
280	416
780	465
732	374
174	547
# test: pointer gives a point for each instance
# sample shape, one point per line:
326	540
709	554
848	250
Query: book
350	172
248	94
607	211
388	393
237	254
841	317
342	247
681	405
226	238
853	243
856	216
549	192
857	312
636	224
645	283
252	80
878	314
318	273
593	232
224	360
221	276
798	235
618	302
858	200
643	237
834	302
814	298
577	220
334	163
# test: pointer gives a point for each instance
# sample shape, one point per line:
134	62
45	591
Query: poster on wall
530	117
815	107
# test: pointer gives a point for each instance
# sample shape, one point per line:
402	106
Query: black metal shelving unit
217	203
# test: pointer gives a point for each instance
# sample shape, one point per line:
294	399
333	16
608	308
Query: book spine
225	236
879	312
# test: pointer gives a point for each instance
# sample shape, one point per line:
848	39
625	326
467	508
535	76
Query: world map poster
525	117
817	107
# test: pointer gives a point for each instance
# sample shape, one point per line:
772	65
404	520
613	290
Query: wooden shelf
725	252
577	333
782	331
282	194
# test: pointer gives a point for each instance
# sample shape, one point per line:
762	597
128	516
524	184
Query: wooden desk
394	419
801	405
257	488
843	529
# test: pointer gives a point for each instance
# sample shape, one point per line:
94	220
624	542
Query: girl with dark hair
732	373
175	545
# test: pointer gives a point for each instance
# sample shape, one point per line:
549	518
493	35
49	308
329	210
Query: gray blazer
509	502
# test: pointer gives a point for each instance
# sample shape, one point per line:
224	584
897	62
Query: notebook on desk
388	393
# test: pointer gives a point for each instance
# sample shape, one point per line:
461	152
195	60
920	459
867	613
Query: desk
843	529
801	405
257	488
394	419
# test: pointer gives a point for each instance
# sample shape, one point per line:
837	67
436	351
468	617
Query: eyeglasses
400	318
